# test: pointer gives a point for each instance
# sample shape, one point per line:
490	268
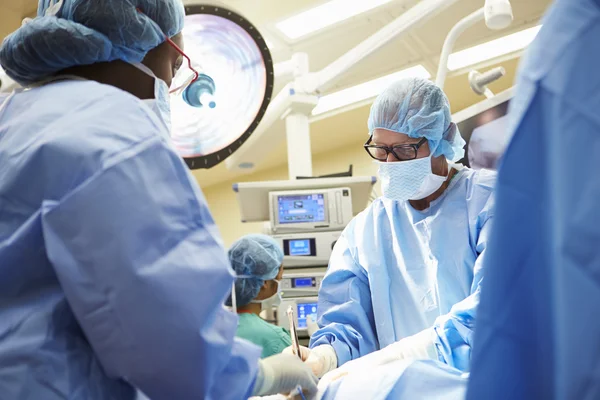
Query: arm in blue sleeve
143	268
345	312
454	331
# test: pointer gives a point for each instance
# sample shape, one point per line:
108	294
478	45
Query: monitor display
486	135
297	209
300	247
304	310
303	282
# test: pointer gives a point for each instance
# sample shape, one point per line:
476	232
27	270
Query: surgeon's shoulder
481	186
362	222
485	178
94	120
96	111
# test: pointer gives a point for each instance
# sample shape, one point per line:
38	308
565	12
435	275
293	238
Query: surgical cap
69	33
418	108
255	258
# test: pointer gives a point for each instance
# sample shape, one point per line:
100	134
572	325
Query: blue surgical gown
396	271
538	333
401	380
112	272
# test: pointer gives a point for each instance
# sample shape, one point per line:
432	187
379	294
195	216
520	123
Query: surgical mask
267	303
272	301
161	103
408	180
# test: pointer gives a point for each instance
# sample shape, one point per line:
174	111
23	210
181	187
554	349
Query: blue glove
282	373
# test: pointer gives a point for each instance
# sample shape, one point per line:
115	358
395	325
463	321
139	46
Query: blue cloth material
418	108
396	271
83	32
538	335
402	380
255	258
112	271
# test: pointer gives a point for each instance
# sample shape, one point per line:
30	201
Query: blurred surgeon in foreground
538	336
404	276
106	241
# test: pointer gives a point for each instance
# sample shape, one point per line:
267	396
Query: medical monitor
303	311
309	211
484	127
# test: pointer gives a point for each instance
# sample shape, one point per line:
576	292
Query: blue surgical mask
161	103
408	180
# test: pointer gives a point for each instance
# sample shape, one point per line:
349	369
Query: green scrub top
273	339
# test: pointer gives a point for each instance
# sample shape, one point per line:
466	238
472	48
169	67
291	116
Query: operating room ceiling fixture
219	111
325	15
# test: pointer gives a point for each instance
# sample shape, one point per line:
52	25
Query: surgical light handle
479	81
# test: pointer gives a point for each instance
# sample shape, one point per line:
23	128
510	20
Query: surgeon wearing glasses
112	272
403	280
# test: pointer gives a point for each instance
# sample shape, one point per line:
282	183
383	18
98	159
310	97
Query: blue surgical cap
418	108
70	33
257	258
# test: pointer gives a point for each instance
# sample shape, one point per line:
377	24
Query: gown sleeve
454	331
143	268
345	311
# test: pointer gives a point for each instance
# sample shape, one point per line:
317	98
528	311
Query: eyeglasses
402	152
183	79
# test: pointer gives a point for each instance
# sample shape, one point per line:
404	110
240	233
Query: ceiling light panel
366	90
325	15
492	49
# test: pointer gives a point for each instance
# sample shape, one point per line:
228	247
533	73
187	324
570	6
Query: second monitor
310	211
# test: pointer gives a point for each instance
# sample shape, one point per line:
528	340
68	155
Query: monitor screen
304	310
299	283
486	135
295	209
300	247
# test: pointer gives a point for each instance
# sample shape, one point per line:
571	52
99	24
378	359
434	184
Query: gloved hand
321	359
419	346
282	373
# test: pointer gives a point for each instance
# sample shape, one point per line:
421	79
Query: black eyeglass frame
388	150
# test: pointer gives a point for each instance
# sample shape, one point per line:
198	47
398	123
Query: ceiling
421	46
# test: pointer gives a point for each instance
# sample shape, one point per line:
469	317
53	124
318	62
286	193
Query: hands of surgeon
282	373
418	347
320	359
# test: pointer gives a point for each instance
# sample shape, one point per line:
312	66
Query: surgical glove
321	359
311	325
419	346
282	373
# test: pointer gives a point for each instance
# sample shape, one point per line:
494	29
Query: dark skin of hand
439	165
163	60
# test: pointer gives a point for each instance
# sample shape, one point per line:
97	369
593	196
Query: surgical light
219	110
493	49
326	14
